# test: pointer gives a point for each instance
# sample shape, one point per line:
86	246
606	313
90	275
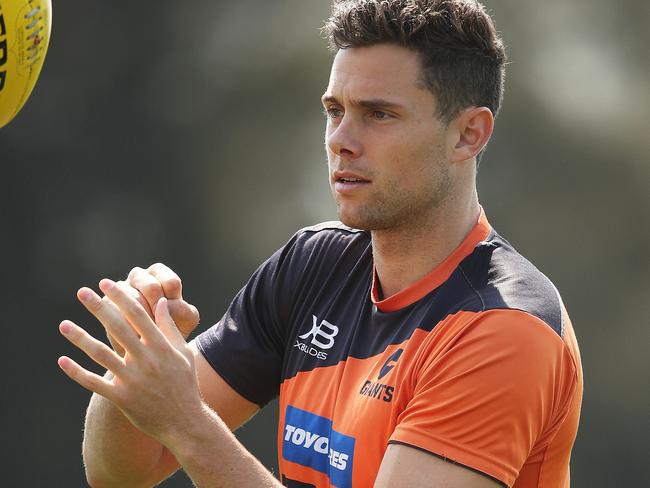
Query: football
25	27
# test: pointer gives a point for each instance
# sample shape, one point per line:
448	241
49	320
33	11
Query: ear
473	129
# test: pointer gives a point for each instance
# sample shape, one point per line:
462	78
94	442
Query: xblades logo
317	331
322	337
381	391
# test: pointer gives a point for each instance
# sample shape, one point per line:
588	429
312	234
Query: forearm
118	454
156	385
212	457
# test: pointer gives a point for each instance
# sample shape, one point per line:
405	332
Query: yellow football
25	27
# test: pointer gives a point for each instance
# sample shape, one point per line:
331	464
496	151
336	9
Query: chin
357	220
349	219
355	224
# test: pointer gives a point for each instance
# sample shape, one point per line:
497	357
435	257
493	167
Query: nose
343	138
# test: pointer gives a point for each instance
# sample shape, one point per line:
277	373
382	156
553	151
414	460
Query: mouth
351	180
345	182
348	177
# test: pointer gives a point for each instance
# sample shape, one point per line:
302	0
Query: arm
115	452
206	437
406	467
495	391
118	454
156	387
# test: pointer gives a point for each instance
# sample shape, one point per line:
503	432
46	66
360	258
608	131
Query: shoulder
500	278
316	253
331	232
328	239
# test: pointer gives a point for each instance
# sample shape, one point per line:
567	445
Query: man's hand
148	286
155	383
158	281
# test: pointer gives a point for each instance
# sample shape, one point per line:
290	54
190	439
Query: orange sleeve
489	388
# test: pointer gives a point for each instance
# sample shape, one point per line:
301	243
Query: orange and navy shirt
476	363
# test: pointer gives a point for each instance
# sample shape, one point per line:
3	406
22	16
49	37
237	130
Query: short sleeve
500	388
246	346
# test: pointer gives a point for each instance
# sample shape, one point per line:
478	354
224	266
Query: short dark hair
463	57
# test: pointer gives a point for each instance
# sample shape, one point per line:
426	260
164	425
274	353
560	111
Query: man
410	344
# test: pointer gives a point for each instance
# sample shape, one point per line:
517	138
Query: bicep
233	408
492	398
405	466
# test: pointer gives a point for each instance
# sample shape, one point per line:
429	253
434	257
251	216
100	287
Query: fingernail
158	303
106	284
85	294
65	327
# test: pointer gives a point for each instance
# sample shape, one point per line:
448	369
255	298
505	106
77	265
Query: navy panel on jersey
324	274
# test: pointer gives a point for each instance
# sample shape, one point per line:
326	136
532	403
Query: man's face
385	145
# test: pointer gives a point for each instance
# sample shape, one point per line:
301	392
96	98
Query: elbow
97	480
95	483
101	480
96	476
93	477
100	475
102	483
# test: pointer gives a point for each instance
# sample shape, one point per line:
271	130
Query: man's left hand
155	383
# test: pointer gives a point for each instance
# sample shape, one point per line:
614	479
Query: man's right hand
150	285
115	452
158	281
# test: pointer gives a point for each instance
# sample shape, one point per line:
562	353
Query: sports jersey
476	363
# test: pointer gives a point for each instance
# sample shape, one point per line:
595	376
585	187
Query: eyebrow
370	103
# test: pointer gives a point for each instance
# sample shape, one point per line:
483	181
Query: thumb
186	316
166	324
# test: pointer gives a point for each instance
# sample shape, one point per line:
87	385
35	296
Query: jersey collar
437	276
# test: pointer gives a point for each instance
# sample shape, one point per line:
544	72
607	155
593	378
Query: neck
403	256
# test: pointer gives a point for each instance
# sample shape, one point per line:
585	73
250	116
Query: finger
132	310
166	323
170	281
111	319
115	344
90	381
96	350
185	316
149	289
136	295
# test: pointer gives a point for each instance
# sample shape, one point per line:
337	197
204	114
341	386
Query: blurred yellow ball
25	27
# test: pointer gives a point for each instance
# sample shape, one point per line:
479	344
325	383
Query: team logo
322	337
378	390
310	440
390	363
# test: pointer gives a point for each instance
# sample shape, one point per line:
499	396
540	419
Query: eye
380	115
333	113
